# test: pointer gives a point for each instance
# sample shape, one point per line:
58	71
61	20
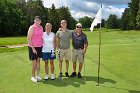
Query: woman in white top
48	50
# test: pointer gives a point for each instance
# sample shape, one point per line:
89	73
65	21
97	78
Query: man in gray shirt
63	37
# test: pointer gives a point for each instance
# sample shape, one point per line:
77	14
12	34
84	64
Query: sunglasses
78	27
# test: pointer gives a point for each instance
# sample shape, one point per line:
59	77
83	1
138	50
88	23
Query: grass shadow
129	90
75	82
133	91
102	80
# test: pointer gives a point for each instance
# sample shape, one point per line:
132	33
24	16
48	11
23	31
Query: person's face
78	29
63	24
37	21
48	27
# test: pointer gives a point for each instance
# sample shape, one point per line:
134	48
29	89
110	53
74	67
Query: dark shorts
48	56
33	56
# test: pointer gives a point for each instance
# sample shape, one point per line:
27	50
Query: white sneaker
38	78
33	79
46	77
52	77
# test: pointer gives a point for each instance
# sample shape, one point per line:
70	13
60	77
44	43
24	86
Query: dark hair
38	17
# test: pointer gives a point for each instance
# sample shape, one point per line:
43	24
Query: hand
57	49
84	51
53	51
60	29
34	51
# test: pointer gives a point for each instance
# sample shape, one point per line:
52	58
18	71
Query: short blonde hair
47	25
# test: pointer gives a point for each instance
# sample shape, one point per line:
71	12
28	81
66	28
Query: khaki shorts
77	54
65	53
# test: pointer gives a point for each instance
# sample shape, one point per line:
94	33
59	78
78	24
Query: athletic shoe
67	75
38	78
52	76
33	79
46	77
73	74
60	74
79	75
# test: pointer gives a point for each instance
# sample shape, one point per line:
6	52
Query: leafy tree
134	7
9	19
64	14
138	18
34	8
112	22
86	21
102	24
126	23
21	4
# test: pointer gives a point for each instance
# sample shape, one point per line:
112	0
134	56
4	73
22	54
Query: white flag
97	19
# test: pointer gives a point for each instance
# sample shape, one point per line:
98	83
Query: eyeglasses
78	27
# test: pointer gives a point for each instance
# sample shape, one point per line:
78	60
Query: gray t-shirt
64	39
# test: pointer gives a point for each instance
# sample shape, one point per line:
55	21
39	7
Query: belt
78	48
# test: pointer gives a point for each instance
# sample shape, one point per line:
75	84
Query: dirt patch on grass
14	46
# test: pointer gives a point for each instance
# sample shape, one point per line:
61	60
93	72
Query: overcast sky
81	8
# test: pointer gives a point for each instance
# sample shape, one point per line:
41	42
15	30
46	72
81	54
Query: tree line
130	19
131	16
17	15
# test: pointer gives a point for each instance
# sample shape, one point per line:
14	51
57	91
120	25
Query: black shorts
33	56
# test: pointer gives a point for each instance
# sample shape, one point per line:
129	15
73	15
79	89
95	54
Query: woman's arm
55	42
29	37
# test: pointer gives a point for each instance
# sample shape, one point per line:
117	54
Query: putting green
120	68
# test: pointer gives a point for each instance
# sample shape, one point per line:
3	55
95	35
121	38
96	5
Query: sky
81	8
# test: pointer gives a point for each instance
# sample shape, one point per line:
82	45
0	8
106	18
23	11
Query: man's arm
57	36
85	44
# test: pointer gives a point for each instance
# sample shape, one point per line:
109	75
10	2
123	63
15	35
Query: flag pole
99	59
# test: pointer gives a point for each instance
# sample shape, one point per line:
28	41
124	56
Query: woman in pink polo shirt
35	43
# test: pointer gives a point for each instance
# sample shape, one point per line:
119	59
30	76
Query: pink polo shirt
37	36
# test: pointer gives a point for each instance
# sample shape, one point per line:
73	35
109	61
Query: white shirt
48	42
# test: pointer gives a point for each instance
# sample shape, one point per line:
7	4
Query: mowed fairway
120	68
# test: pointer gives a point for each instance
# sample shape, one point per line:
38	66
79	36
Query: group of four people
44	44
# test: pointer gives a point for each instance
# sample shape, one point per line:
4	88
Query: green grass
4	50
120	68
12	41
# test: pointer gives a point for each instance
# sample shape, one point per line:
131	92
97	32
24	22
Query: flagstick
98	83
99	56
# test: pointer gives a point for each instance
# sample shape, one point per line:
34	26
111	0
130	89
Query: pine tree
54	18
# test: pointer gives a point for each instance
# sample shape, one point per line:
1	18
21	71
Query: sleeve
57	34
85	39
71	34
